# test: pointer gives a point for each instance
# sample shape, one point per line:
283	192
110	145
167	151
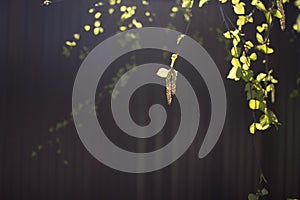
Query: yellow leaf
175	9
296	26
259	38
265	49
277	14
261	77
145	3
239	8
202	2
232	74
227	35
252	128
235	62
241	21
97	15
187	3
248	45
234	2
76	36
87	27
91	10
223	1
97	23
269	17
163	72
123	8
259	5
253	56
254	104
123	28
111	11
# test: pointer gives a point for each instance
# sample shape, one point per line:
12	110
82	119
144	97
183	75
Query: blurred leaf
252	196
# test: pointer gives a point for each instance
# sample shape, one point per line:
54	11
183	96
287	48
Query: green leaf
252	196
273	118
262	178
264	192
294	93
33	154
269	17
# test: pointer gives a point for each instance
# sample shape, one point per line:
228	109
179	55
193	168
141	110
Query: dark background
35	93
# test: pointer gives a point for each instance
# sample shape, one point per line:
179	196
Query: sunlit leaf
97	23
87	27
265	49
239	8
234	2
261	77
111	11
248	45
97	15
123	8
202	2
162	72
269	17
259	5
76	36
187	3
254	104
91	10
277	13
227	35
253	56
259	38
233	74
145	3
123	28
175	9
296	26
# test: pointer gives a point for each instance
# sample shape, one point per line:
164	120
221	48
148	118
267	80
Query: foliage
249	55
